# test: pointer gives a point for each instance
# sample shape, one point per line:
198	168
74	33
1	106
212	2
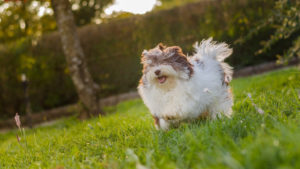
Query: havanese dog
177	88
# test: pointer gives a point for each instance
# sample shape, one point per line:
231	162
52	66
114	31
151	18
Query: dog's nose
157	72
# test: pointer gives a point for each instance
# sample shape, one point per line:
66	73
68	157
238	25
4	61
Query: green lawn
127	137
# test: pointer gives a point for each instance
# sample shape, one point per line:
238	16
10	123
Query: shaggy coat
177	88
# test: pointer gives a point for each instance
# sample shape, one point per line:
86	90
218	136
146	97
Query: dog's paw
160	124
164	125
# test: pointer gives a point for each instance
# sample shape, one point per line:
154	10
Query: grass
127	138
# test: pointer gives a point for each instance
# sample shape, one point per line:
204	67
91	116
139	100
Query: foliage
113	50
20	19
285	19
168	4
86	11
25	18
117	15
128	139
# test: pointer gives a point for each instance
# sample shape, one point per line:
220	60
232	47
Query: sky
133	6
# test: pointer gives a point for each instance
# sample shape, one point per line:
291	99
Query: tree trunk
85	86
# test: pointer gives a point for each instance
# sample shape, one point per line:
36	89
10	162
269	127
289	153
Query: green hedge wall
113	50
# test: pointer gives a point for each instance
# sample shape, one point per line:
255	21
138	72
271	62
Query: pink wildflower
18	122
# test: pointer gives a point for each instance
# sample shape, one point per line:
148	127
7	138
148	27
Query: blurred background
113	33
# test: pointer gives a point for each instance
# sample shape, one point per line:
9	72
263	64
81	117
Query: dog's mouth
162	79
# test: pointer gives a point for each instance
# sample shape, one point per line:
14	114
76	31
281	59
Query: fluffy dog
178	88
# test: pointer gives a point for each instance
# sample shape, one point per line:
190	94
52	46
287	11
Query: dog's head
162	65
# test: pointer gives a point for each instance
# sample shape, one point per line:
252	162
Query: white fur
184	98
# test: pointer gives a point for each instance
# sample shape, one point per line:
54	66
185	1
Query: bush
285	19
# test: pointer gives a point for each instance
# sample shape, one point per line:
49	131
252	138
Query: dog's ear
144	53
161	46
173	50
145	57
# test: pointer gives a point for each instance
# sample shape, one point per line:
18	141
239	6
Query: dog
177	88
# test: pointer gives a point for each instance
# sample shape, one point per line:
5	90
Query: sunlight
133	6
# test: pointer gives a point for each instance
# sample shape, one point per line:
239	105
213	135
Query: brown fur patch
142	81
224	76
178	60
161	46
230	93
200	63
224	82
170	118
227	72
203	116
156	121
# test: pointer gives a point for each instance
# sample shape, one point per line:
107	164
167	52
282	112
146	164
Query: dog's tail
211	49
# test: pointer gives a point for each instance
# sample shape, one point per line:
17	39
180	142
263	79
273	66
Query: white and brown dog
177	88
